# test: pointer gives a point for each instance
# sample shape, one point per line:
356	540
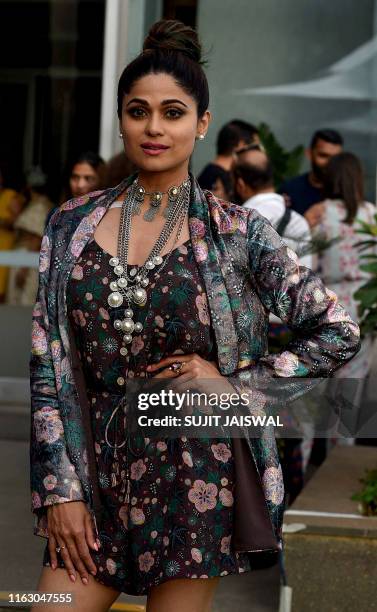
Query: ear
203	123
240	186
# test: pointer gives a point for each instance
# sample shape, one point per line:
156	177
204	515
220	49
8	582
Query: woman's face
83	180
159	124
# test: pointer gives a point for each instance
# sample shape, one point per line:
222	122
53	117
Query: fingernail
93	572
98	543
95	546
72	577
53	565
85	580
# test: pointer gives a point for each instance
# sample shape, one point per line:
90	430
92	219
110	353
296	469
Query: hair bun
172	35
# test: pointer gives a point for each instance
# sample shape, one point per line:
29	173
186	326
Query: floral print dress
179	521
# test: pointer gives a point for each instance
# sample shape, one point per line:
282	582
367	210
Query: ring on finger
176	366
59	548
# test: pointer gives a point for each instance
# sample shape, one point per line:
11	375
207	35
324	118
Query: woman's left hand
193	367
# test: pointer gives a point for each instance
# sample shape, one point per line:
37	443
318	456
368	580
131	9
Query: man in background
254	187
217	175
305	190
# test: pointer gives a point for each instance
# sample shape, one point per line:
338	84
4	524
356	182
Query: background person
305	190
11	204
217	176
29	229
254	187
339	266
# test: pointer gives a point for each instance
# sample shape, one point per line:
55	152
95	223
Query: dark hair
255	176
89	157
344	180
231	134
173	48
328	136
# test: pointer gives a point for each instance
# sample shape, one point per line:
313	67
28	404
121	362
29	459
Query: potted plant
367	294
367	497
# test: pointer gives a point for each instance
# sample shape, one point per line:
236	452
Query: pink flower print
225	545
123	515
161	446
47	424
35	500
111	566
201	249
138	468
79	318
196	555
221	452
44	255
197	227
38	340
203	495
318	296
104	314
137	516
165	289
50	482
286	364
187	459
145	561
159	321
202	306
226	497
273	485
137	345
78	272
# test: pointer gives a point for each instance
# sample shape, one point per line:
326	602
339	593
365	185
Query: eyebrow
163	103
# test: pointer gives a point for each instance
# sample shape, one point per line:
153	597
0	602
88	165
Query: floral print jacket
247	270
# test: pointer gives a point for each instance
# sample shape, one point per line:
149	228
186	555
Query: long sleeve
52	475
325	337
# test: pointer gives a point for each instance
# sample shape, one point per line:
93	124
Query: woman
29	229
156	518
11	204
86	173
339	215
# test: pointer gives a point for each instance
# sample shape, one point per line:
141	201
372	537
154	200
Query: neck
162	181
225	161
314	181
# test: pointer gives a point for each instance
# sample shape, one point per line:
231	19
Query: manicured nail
98	543
95	546
85	580
72	577
53	565
93	572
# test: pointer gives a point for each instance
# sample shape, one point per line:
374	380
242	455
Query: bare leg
93	597
183	594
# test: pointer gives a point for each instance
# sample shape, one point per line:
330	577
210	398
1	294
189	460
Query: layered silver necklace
131	288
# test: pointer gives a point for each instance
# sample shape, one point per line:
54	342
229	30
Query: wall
267	43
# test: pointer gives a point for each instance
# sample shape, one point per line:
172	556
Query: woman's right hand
70	524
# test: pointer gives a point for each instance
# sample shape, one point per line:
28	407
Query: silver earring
201	137
120	135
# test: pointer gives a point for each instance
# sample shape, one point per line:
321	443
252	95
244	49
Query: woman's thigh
183	594
93	597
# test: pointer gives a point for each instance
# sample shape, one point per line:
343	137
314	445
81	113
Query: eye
174	113
136	111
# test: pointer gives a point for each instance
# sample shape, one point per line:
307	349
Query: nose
154	125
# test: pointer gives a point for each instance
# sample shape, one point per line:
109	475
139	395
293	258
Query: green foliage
286	164
367	294
368	495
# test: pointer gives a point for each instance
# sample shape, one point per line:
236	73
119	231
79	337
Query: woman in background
11	204
339	266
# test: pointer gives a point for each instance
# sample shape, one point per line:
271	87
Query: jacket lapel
208	255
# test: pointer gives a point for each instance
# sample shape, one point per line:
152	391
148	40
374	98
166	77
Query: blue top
301	193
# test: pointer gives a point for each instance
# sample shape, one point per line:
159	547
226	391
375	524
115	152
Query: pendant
115	299
139	296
